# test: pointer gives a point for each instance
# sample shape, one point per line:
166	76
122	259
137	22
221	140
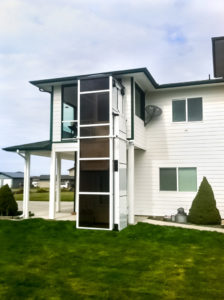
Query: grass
52	260
65	196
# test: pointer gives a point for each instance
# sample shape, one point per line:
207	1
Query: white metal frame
110	158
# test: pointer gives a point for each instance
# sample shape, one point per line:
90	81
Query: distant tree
203	209
8	204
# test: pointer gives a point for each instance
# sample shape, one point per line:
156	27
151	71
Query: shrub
8	204
203	209
41	190
20	191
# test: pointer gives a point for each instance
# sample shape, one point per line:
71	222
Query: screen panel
94	108
94	176
94	131
94	148
94	211
94	84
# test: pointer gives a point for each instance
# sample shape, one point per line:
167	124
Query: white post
131	182
58	187
52	185
26	186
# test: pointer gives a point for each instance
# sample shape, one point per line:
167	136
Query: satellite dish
218	56
152	111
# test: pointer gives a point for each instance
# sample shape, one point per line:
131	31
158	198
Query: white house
140	148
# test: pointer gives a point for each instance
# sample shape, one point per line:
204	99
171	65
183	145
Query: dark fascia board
214	39
191	83
6	175
115	73
38	146
129	72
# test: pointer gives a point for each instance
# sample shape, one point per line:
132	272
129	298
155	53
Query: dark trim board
131	72
38	146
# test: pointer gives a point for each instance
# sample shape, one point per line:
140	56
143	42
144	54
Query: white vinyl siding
182	144
57	114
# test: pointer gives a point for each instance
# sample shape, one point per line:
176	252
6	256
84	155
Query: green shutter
168	179
187	179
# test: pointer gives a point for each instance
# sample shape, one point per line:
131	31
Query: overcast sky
54	38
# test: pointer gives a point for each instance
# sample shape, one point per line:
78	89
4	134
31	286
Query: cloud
44	39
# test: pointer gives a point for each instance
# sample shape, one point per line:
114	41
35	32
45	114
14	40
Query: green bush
203	209
41	190
20	191
8	204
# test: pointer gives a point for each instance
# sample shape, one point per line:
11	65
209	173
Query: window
139	102
168	179
187	110
69	112
187	179
181	179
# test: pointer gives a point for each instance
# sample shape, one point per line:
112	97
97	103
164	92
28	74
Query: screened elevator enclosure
100	111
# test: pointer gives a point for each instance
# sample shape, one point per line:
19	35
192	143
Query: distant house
43	181
71	171
13	179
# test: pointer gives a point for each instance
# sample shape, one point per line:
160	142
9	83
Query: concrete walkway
41	210
187	226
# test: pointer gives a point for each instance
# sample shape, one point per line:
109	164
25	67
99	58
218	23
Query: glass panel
69	103
94	131
94	211
187	179
168	179
94	176
179	111
194	109
139	103
94	148
94	108
69	130
95	84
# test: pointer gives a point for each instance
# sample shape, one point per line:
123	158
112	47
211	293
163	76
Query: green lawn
42	259
65	196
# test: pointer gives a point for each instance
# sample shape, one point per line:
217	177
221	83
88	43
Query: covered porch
56	152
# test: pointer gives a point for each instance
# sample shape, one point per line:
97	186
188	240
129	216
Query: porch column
26	186
58	188
131	182
52	185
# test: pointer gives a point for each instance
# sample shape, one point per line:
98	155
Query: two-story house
140	148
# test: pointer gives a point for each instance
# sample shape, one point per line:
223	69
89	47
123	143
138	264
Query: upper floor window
189	109
69	112
139	102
